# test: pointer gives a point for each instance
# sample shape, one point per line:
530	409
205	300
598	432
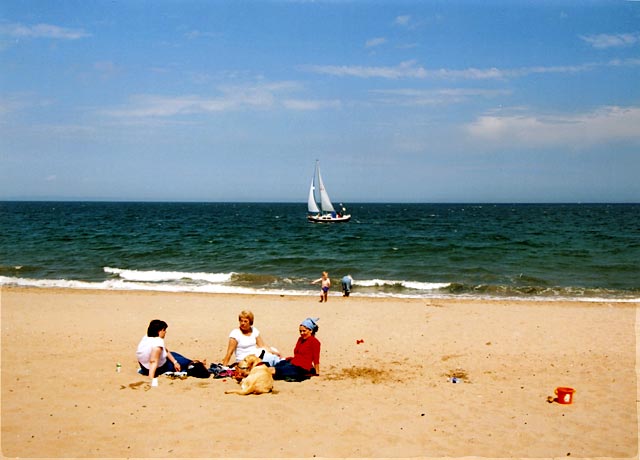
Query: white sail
328	214
312	205
325	201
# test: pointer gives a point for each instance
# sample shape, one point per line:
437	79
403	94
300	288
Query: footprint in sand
136	385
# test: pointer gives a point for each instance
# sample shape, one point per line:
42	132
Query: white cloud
407	69
415	97
603	41
195	34
607	124
142	106
410	69
11	103
375	42
265	96
299	104
106	69
402	21
41	31
403	70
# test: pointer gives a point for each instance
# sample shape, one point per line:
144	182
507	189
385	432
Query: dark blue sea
530	251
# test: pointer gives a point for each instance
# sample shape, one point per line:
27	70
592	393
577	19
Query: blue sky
402	101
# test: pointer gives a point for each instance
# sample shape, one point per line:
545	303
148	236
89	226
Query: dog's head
245	365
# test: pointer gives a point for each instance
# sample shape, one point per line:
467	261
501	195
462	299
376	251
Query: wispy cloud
403	21
150	105
607	124
406	69
311	104
11	103
410	69
195	34
375	42
41	31
265	96
106	69
409	97
603	41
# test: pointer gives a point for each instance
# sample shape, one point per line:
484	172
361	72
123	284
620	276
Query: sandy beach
384	389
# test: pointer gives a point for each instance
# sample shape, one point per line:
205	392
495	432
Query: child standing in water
325	284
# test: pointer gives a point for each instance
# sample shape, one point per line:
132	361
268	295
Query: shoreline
388	396
334	293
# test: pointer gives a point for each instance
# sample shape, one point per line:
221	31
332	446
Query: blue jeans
287	371
168	365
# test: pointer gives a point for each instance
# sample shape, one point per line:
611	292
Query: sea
588	252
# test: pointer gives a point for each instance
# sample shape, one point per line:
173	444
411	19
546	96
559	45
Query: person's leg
270	359
184	362
143	370
166	367
284	370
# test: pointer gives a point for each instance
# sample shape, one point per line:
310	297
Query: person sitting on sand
305	361
153	355
325	284
246	340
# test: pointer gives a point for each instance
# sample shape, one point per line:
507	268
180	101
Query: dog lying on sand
254	377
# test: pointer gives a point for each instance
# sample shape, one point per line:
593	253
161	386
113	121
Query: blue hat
310	323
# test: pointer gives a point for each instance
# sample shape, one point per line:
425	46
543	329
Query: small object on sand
564	395
154	382
359	341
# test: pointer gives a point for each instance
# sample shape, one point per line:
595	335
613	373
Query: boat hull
328	219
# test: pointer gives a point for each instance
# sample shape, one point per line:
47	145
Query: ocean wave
154	276
416	285
248	283
122	285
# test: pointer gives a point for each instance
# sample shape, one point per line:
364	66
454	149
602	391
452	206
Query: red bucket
564	395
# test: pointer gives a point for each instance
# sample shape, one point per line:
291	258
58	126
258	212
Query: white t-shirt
246	343
146	346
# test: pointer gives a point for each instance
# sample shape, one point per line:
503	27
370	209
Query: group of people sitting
155	358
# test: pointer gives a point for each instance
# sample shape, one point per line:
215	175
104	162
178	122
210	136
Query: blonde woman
246	340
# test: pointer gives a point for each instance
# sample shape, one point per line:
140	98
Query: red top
306	354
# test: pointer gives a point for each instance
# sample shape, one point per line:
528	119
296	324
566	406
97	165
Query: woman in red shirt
305	361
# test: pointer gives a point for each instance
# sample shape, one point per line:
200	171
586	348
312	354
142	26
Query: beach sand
387	396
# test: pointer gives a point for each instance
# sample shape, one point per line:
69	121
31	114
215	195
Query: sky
401	101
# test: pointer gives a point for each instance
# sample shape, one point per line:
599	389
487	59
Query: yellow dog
255	377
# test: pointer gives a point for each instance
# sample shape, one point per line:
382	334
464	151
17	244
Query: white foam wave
421	286
154	276
124	285
216	288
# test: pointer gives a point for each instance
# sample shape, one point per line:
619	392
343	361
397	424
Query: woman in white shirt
153	355
246	340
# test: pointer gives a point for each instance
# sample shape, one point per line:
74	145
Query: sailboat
326	213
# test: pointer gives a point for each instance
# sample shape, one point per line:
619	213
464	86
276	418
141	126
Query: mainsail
325	201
